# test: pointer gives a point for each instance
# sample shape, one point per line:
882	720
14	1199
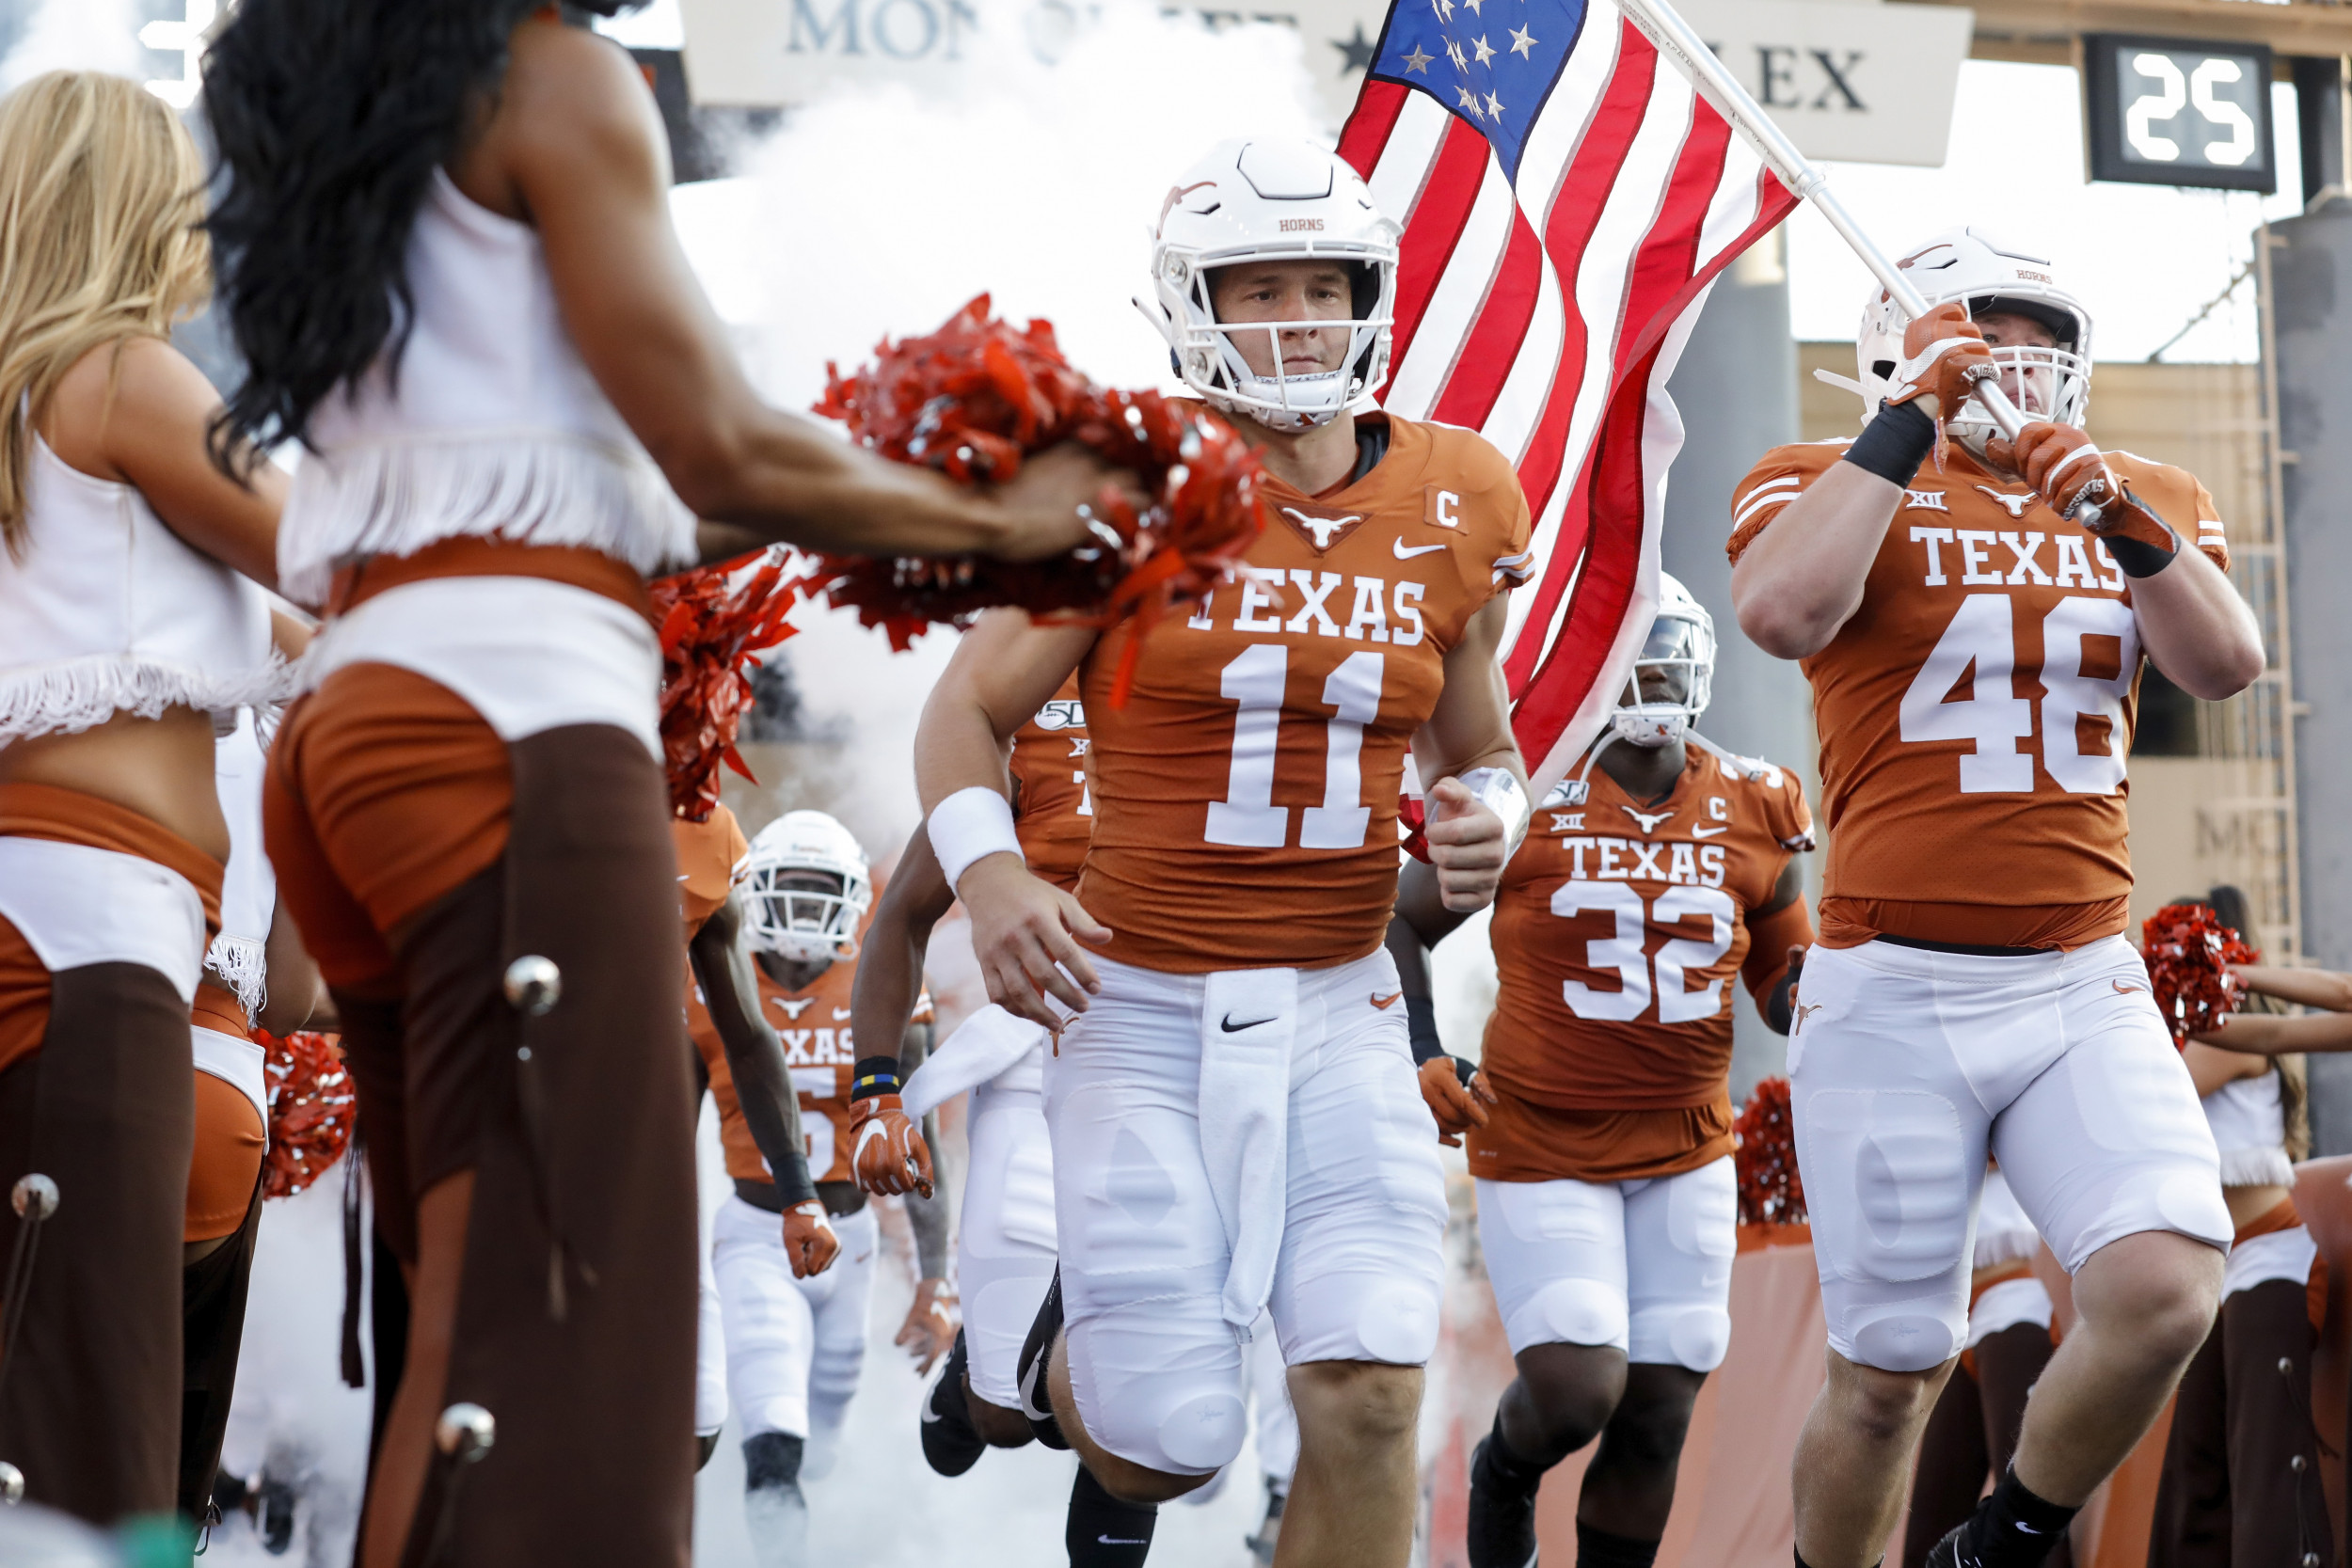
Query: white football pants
1347	1212
794	1347
710	1354
1906	1064
1644	1267
1004	1246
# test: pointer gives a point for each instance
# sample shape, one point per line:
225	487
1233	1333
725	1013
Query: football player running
1234	1115
1973	632
795	1336
1599	1126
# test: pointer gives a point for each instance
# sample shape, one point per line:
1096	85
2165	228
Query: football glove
890	1154
1945	359
1456	1095
931	1323
809	1243
2060	461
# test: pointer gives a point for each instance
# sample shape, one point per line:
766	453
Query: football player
795	1336
1234	1115
1600	1128
1005	1248
712	857
1973	629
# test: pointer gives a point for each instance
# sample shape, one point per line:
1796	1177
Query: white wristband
1498	790
971	825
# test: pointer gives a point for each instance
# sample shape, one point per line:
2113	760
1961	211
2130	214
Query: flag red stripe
1668	258
1367	132
1497	333
1434	226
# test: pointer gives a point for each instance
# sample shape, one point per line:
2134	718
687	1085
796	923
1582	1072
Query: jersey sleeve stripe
1758	504
1515	567
1783	483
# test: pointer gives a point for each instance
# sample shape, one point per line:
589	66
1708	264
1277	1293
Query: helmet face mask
807	888
1673	676
1991	277
1272	201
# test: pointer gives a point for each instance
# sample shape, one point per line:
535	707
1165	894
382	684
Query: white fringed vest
2249	1127
494	426
105	609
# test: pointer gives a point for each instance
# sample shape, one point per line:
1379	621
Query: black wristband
1421	1022
874	1075
1893	444
2138	558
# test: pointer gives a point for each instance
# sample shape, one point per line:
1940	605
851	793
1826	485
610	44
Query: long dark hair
329	117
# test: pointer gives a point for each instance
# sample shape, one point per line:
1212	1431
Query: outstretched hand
1026	932
929	1330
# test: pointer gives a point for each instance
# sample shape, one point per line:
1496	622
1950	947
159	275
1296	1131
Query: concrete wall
1737	388
2312	305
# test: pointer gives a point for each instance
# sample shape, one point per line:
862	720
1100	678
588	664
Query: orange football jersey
710	857
1244	795
1619	933
1976	711
813	1025
1051	812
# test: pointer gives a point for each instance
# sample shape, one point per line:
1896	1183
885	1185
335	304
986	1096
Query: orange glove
890	1154
1457	1105
1945	356
929	1330
2060	462
808	1238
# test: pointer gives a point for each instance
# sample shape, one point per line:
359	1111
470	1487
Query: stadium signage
2179	112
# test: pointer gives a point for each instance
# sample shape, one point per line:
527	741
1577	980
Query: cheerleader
448	260
127	641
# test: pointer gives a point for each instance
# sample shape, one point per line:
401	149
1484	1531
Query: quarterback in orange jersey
1599	1126
795	1336
1233	1114
1973	632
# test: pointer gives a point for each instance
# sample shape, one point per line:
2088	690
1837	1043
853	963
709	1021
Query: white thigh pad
1680	1235
1556	1256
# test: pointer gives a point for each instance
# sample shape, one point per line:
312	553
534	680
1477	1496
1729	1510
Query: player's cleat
1501	1532
950	1443
1035	1351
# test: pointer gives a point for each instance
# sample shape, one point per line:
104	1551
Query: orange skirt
230	1137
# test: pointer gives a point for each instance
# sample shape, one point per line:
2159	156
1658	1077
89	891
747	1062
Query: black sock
1599	1548
2013	1529
1103	1532
1506	1467
1803	1563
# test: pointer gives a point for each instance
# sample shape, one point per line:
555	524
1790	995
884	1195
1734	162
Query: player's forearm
2197	629
2269	1035
2310	988
890	962
928	1217
1801	578
763	1083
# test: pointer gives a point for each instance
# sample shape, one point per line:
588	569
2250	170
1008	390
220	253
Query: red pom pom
313	1109
976	397
2188	952
1771	1189
712	622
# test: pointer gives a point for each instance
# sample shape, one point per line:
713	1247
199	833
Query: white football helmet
1284	200
1680	650
1987	275
788	912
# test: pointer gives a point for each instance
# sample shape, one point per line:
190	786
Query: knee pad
1156	1395
1908	1333
1691	1337
1570	1311
772	1462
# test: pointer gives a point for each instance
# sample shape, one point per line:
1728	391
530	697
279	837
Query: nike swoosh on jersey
1708	832
1231	1028
1404	554
2128	991
840	1013
1385	1003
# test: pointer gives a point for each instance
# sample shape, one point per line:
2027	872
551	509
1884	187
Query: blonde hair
101	192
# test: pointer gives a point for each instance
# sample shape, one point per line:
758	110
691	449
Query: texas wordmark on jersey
1261	748
1976	711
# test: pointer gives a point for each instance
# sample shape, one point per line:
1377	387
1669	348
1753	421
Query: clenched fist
891	1156
809	1243
1944	358
1457	1098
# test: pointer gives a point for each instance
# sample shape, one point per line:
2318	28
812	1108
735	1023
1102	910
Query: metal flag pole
1675	39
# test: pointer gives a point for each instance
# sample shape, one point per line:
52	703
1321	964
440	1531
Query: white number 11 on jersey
1247	816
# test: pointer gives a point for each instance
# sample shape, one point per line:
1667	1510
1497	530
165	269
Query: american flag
1566	198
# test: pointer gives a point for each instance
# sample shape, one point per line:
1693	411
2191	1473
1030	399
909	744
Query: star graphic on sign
1356	54
1484	51
1453	53
1522	41
1419	60
1469	101
1494	105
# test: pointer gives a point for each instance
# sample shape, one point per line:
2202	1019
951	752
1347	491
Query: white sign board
1867	82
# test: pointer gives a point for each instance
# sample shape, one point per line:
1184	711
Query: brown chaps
576	1315
213	1294
89	1397
1971	1437
2233	1492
